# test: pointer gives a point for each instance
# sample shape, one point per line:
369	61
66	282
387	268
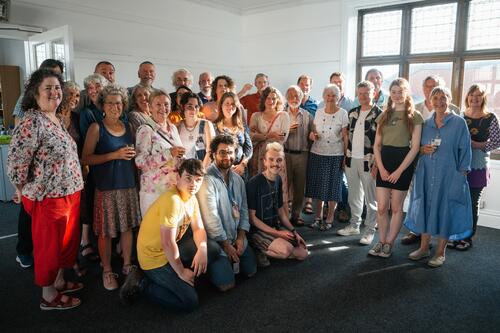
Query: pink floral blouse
158	167
43	158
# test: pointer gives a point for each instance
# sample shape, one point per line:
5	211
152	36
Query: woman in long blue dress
440	202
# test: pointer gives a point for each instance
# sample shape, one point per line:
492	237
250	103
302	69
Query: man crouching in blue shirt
223	205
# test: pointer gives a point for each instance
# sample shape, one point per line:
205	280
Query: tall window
457	40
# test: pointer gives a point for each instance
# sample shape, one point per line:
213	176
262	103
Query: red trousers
55	225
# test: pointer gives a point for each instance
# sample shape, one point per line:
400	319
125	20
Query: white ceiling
245	7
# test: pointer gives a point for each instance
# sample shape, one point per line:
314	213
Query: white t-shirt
358	136
329	128
189	137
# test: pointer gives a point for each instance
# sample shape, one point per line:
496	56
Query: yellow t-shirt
171	211
395	132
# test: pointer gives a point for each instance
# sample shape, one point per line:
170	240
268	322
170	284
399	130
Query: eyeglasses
223	153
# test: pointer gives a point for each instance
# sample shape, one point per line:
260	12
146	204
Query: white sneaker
386	251
376	250
367	238
436	261
419	254
348	231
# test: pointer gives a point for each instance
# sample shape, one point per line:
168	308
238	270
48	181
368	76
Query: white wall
286	43
489	215
171	33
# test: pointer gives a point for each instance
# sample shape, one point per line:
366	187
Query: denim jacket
216	207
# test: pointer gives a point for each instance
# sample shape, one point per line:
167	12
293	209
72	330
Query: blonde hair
482	91
275	146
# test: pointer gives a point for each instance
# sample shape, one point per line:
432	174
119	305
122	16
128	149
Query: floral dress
155	162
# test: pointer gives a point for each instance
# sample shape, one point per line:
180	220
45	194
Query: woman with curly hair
140	110
397	143
43	165
220	85
109	150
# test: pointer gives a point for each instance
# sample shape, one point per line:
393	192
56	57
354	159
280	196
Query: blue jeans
163	286
220	272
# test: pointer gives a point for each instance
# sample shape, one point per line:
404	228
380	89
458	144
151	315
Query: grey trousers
296	168
361	183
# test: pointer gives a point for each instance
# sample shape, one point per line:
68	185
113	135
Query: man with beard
223	206
297	150
272	234
181	77
205	83
146	74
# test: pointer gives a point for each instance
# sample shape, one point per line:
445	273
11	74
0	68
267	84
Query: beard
224	165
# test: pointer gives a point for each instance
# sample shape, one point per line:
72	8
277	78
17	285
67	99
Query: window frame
458	56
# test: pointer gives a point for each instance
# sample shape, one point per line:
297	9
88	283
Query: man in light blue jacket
223	205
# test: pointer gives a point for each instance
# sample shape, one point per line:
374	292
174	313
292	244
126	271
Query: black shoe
130	290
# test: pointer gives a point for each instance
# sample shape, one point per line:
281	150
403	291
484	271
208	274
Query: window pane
418	73
382	33
389	73
433	28
486	73
58	48
40	54
484	25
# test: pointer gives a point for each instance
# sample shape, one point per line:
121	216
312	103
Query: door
52	44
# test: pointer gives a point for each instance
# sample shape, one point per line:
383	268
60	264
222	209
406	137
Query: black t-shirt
265	197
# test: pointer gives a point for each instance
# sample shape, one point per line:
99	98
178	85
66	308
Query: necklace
190	130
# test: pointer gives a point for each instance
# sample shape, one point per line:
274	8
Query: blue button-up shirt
216	200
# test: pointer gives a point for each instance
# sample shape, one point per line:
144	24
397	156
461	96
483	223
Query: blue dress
440	202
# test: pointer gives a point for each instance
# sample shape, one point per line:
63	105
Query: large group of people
185	184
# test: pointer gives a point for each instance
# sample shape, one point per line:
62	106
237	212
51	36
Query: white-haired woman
326	158
93	85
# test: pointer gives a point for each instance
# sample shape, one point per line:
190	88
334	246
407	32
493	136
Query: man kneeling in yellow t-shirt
166	243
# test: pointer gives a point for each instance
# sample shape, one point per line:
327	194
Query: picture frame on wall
4	10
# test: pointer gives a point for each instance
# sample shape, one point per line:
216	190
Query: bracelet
293	230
